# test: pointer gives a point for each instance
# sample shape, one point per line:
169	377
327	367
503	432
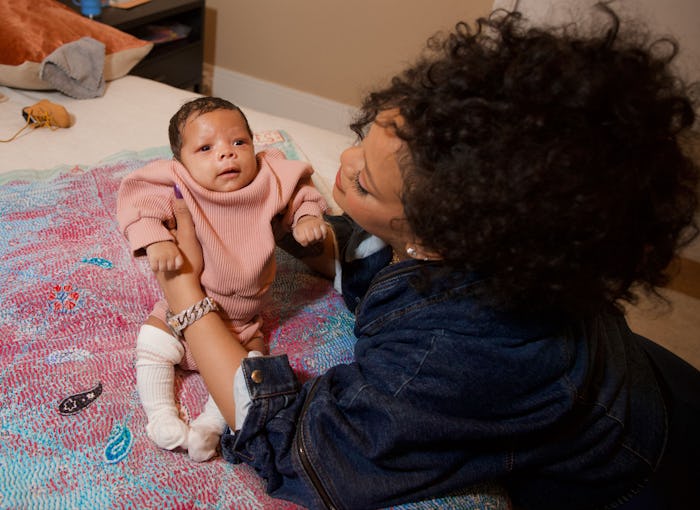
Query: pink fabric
234	228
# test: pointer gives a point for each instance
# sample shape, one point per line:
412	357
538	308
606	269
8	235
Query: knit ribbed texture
156	347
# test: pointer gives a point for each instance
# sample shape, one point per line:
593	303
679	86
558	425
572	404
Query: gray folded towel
76	68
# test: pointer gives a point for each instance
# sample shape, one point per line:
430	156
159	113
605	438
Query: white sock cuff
153	345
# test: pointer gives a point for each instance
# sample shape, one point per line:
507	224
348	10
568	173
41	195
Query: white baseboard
275	99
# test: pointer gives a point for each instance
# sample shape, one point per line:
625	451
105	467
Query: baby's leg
157	353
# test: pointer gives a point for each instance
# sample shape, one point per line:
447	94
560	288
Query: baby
235	198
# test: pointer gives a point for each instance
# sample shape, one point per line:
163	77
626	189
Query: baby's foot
167	430
203	440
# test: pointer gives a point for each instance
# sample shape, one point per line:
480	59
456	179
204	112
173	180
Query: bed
71	426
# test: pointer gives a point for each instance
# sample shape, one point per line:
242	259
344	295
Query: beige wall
331	48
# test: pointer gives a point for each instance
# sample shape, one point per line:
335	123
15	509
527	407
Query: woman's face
368	184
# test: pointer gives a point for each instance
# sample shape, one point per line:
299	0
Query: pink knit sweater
234	228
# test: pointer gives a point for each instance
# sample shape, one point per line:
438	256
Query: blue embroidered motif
99	261
118	444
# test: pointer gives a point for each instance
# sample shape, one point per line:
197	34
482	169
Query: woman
509	191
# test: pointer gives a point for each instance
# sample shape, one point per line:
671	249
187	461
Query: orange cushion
33	29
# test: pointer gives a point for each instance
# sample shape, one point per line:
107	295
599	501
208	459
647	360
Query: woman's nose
351	159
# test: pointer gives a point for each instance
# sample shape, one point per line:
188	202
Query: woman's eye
358	186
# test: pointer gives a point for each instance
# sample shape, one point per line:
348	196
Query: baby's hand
164	256
309	230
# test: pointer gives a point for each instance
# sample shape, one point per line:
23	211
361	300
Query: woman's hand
186	237
182	286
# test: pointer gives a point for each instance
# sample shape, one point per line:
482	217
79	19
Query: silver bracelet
178	322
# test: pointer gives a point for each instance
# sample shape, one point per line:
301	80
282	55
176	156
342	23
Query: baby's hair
548	161
197	107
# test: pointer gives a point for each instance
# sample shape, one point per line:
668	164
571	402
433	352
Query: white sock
205	432
157	353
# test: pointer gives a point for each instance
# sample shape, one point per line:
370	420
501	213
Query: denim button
257	376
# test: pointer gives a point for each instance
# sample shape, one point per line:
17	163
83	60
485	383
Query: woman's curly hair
549	161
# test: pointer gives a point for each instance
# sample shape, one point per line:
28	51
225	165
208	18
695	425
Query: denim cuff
269	376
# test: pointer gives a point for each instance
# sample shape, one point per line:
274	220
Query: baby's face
218	151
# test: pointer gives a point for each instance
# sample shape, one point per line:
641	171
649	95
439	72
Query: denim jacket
444	394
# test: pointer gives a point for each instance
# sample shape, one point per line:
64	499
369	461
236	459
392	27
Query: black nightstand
178	63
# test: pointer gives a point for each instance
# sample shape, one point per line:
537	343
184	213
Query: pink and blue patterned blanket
72	300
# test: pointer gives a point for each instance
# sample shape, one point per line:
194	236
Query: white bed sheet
133	115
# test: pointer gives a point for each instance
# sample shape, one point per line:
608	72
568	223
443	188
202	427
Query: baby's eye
205	148
239	142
